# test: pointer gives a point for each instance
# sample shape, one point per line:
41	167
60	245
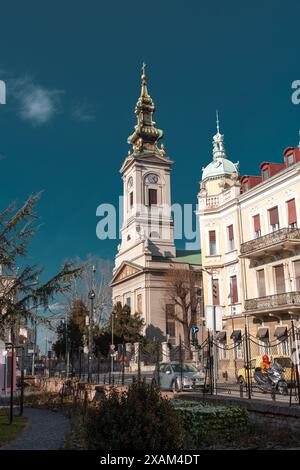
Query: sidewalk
46	430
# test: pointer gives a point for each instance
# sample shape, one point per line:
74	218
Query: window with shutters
152	197
297	274
212	242
292	215
234	290
279	279
261	283
216	292
230	234
274	218
256	225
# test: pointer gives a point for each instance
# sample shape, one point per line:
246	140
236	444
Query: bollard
273	394
241	390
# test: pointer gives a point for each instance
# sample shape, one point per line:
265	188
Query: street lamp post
91	315
112	341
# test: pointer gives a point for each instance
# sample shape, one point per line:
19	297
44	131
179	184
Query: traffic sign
195	329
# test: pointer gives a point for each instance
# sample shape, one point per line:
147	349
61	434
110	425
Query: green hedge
205	421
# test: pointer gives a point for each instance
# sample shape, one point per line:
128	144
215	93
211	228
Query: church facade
147	251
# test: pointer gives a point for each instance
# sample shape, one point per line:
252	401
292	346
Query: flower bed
204	421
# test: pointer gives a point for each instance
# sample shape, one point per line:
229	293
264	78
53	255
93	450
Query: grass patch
9	432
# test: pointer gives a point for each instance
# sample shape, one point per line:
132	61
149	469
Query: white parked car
170	375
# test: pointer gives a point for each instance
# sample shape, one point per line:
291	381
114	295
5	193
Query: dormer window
290	159
265	174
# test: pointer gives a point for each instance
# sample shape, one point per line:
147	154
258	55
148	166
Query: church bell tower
147	229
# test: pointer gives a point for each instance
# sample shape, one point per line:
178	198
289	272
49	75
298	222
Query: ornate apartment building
250	243
147	250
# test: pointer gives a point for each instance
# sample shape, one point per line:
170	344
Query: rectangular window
266	174
222	346
230	238
274	218
170	321
128	302
216	292
290	159
131	199
212	242
292	215
152	197
297	274
238	349
234	290
256	224
261	284
139	307
264	346
279	279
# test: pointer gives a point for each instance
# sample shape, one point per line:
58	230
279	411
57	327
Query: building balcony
283	239
283	303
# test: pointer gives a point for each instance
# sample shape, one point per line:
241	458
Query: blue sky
73	76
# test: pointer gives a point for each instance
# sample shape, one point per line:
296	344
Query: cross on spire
218	122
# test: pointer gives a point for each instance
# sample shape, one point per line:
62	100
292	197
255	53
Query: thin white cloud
36	104
82	111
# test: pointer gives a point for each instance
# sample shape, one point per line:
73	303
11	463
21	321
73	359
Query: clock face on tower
152	178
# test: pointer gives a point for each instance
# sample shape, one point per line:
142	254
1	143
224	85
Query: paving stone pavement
45	430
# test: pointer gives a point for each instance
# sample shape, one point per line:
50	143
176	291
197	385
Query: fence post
210	364
22	383
11	408
181	361
157	365
247	339
139	362
123	364
296	356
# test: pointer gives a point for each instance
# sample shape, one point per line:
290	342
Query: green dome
219	167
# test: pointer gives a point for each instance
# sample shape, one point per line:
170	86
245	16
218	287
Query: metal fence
235	368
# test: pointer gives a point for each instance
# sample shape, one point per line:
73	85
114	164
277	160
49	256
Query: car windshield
184	367
283	361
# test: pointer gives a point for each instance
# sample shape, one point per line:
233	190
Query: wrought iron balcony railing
279	237
285	300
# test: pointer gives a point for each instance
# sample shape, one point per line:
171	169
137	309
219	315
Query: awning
263	333
221	336
236	335
280	331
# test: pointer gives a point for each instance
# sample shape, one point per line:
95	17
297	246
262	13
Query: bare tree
96	275
183	292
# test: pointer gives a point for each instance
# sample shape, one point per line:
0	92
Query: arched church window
152	178
130	182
